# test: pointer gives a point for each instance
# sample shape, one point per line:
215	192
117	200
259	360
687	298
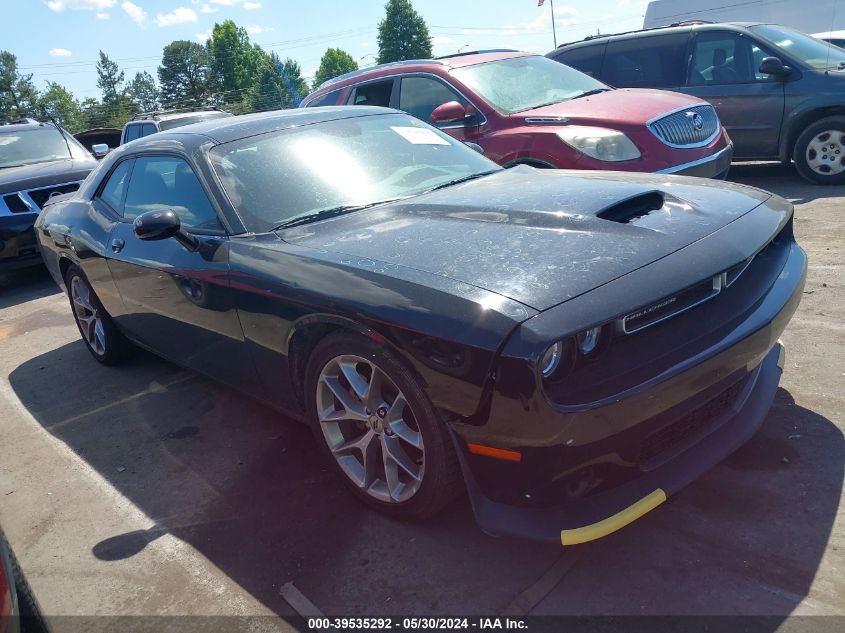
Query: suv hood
53	172
539	237
626	107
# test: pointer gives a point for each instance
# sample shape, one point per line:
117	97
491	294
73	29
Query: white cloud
103	16
207	8
59	52
226	3
203	37
80	5
254	29
249	6
135	13
441	39
179	15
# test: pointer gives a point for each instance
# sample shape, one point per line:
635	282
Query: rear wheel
819	153
99	333
375	424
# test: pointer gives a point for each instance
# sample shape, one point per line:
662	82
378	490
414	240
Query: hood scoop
633	208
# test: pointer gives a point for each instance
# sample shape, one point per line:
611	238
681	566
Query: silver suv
148	123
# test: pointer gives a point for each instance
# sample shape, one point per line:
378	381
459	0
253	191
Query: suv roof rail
155	114
478	52
361	71
653	28
22	121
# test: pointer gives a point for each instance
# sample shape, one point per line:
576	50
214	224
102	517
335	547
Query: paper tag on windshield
419	135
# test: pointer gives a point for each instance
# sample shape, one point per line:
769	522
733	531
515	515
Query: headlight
551	359
599	143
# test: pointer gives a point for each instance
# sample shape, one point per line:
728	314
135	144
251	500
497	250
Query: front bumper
698	413
715	166
18	246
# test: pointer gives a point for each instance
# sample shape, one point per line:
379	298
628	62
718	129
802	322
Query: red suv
525	108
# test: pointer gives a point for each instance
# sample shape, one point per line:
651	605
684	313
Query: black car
779	92
37	161
572	347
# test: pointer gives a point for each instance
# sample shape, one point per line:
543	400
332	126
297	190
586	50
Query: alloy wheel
88	315
370	428
826	153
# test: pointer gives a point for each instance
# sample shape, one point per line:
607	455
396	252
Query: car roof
447	62
679	27
225	129
10	128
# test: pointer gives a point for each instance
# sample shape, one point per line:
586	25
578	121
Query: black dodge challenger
569	347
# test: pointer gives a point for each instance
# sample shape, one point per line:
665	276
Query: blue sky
58	40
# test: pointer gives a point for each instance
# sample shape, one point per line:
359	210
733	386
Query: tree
334	62
143	92
234	60
57	104
18	95
278	85
402	34
109	80
184	73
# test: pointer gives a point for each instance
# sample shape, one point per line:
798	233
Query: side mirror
449	112
161	225
99	150
774	66
474	146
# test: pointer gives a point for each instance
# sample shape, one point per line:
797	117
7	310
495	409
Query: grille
33	200
691	127
670	436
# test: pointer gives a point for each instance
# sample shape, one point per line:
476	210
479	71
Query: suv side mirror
449	112
161	225
99	150
774	66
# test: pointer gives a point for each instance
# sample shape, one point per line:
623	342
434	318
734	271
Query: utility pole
554	32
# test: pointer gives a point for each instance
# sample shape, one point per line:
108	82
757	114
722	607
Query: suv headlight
599	143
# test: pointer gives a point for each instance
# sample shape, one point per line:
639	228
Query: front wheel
819	153
378	428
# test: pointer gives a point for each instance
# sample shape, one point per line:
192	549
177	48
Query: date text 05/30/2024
414	624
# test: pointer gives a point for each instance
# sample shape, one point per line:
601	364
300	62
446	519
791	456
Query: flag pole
554	33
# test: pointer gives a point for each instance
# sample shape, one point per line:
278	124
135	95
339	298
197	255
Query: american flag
540	3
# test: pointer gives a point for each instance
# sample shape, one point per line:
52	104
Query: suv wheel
820	151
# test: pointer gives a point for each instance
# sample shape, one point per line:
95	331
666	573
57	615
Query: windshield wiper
589	93
456	181
8	166
325	214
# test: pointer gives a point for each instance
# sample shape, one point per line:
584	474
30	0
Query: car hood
53	172
539	237
629	106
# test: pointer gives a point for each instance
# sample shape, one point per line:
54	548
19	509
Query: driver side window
167	182
419	96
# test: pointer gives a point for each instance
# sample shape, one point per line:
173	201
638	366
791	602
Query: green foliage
272	89
334	63
109	80
18	95
143	92
57	104
184	73
234	61
402	34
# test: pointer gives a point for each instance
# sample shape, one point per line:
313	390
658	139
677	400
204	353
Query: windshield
524	83
275	177
24	147
815	53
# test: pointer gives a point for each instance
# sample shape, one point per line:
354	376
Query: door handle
117	245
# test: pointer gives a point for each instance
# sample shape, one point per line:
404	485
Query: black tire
115	346
31	620
441	481
834	124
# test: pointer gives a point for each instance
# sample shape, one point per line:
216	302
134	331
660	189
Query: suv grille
33	200
695	126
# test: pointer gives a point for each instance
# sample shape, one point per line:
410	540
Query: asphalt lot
147	489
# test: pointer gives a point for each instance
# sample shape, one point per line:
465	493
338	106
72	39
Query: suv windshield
524	83
167	124
323	168
24	147
815	53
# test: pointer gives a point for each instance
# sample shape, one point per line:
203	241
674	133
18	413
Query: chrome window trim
650	125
